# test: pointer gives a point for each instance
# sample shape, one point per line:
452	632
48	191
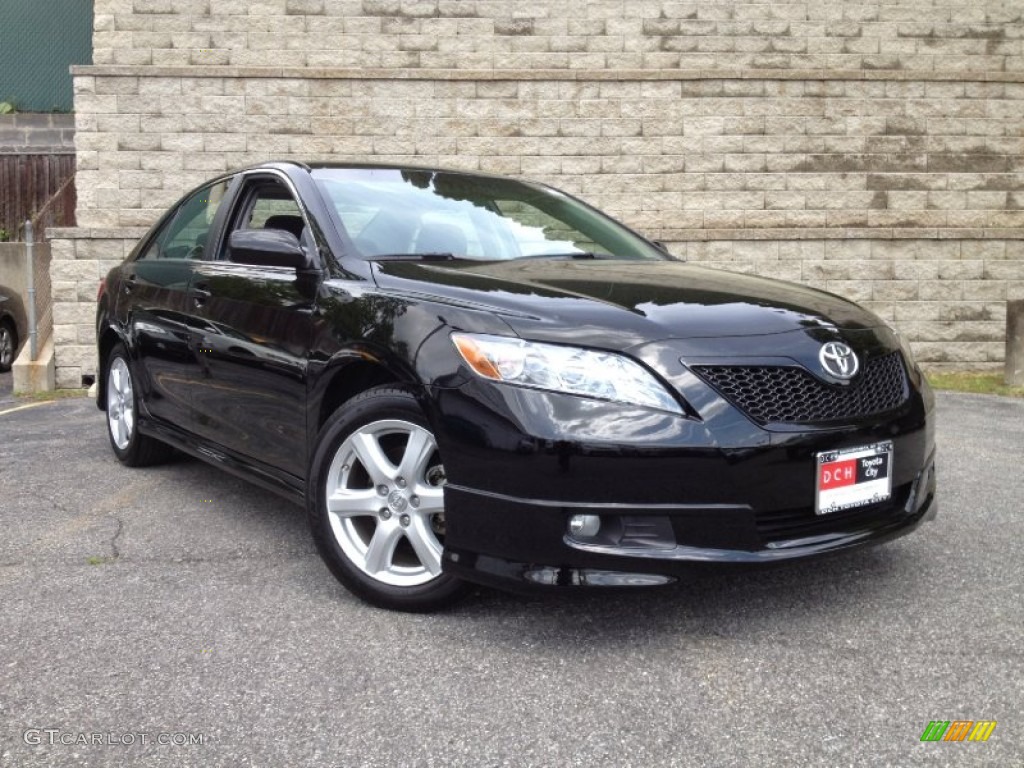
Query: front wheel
376	503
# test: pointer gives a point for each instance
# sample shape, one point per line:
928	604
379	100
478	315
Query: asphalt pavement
176	616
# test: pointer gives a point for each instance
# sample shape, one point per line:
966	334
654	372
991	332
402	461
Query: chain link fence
39	41
23	287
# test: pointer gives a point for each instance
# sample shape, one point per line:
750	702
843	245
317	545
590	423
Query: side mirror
267	248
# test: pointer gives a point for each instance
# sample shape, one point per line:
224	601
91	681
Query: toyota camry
474	379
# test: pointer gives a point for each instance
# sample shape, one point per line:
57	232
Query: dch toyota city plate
854	477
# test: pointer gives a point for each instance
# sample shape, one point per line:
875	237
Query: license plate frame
849	478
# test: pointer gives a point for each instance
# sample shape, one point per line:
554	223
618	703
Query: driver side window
184	235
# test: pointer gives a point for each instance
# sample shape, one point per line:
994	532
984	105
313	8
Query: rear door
254	337
155	308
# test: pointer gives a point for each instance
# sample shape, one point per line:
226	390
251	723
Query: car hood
623	303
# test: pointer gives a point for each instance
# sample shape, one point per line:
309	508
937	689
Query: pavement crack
115	553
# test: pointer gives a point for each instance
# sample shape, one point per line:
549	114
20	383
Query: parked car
13	327
472	379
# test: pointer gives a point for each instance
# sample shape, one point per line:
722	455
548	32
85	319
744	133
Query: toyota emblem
838	360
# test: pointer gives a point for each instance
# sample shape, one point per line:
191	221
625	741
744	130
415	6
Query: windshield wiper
570	255
430	256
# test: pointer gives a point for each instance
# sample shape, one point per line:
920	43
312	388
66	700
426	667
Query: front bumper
644	546
673	493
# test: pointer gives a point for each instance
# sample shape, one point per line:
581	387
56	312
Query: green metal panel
39	40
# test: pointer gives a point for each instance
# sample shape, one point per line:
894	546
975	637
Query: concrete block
35	375
67	376
892	291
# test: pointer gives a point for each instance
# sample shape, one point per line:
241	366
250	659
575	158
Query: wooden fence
40	187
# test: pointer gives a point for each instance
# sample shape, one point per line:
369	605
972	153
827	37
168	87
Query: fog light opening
585	526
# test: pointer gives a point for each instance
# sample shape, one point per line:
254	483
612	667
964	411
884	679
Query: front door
253	341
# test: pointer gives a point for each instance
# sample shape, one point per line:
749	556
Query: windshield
394	212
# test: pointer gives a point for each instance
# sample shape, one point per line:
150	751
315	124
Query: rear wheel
130	446
376	503
8	346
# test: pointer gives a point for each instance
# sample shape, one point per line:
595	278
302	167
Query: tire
130	446
382	533
8	346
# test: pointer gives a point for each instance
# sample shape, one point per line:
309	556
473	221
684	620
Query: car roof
360	165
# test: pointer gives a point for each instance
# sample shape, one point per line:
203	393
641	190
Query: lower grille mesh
784	524
790	395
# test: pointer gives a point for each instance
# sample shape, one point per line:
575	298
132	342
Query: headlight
575	371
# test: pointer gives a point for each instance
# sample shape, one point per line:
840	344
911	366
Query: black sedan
471	379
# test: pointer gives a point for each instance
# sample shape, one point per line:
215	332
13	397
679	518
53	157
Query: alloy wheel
6	347
385	502
120	403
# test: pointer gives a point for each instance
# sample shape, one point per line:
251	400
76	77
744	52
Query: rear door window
185	234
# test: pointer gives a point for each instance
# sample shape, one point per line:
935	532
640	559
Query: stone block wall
873	148
29	133
665	35
672	155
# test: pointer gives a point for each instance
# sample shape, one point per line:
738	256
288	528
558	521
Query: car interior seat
287	222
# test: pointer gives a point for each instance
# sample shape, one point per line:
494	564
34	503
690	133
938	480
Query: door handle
129	283
200	293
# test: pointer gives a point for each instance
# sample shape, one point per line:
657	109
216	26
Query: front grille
785	524
790	395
